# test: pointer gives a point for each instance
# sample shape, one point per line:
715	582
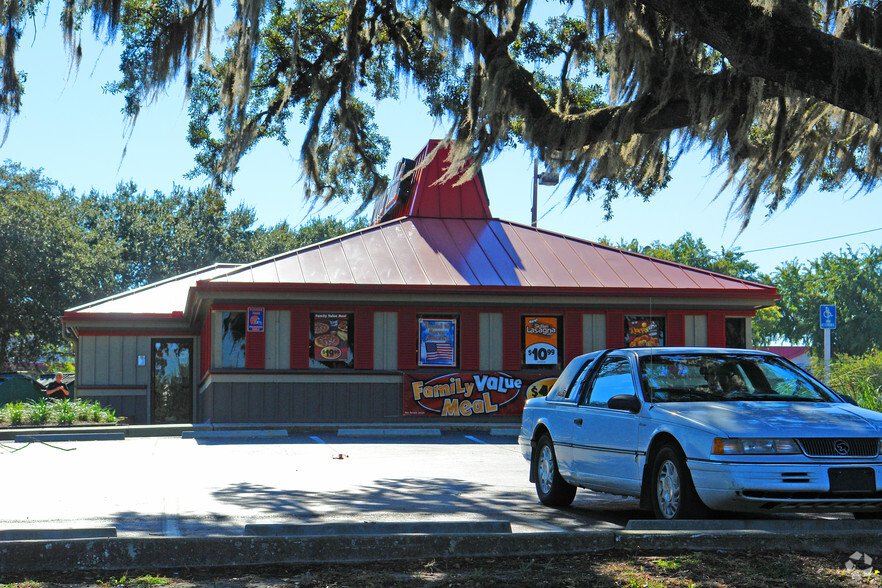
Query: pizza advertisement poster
541	341
330	337
644	331
437	342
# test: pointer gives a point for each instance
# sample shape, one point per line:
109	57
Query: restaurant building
435	311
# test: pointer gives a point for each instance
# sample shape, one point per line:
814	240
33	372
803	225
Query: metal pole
827	356
535	189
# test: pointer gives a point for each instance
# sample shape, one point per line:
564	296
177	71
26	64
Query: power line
814	241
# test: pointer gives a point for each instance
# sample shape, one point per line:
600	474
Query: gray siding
386	341
301	402
593	332
490	341
278	339
113	360
696	330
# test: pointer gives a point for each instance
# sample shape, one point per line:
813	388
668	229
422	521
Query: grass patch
55	412
859	377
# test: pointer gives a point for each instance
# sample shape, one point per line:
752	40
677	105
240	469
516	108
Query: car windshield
722	377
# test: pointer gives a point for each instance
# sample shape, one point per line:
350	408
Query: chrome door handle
578	422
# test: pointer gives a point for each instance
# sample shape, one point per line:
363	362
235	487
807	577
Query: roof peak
426	187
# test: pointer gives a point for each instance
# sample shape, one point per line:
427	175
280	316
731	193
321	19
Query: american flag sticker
437	342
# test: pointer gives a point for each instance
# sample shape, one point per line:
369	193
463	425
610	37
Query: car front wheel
673	495
552	489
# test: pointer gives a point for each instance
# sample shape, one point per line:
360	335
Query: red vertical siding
255	350
407	327
572	336
205	346
716	329
615	329
299	338
511	341
364	339
468	334
676	329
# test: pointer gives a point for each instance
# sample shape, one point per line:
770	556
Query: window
330	340
644	331
736	332
233	340
437	342
542	342
613	377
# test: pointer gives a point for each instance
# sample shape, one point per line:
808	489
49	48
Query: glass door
172	395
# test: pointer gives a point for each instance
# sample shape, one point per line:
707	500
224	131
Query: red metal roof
457	252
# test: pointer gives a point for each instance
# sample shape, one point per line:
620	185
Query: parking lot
166	486
171	486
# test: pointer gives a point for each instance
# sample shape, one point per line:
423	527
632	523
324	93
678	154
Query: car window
701	377
613	377
563	385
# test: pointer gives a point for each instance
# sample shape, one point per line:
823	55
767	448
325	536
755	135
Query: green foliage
860	377
852	280
56	412
689	251
46	264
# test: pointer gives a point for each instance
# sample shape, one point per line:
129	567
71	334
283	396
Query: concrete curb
167	553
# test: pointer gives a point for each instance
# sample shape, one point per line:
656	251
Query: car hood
774	419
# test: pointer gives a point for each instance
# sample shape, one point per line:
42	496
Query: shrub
859	377
62	412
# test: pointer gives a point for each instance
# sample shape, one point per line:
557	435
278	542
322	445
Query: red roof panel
481	253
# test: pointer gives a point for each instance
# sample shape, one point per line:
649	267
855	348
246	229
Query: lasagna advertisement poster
437	342
541	341
330	337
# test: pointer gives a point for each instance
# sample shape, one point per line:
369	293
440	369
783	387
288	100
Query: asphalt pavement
90	499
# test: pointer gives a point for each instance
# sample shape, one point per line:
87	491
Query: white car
687	430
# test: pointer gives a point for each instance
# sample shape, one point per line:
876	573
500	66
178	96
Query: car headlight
753	446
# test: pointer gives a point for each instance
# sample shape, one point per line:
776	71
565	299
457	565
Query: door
604	439
172	390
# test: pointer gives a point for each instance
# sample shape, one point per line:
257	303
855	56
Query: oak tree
782	94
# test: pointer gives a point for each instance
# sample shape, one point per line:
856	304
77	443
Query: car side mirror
627	402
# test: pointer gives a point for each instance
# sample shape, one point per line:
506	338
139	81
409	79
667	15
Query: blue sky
77	134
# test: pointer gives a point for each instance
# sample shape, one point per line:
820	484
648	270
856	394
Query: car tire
672	493
551	488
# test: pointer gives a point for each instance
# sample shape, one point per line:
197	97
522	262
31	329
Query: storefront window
542	342
644	331
330	340
736	332
437	339
233	340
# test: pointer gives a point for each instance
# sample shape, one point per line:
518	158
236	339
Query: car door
563	400
604	440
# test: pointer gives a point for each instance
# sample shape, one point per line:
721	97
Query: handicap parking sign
828	316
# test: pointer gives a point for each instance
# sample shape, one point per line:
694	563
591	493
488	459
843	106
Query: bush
60	412
859	377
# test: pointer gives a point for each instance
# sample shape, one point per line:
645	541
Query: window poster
330	340
437	338
644	331
541	341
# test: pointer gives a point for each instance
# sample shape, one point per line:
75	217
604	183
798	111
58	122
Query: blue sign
828	316
255	320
